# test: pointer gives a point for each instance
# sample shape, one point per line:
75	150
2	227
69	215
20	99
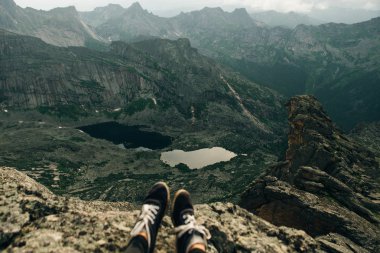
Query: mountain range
337	63
330	60
289	20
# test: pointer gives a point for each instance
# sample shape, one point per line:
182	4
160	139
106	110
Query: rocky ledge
32	219
328	184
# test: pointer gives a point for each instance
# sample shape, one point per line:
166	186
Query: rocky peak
218	18
135	8
32	218
8	4
315	141
242	13
8	11
65	11
212	10
327	185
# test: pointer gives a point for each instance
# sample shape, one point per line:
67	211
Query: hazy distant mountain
136	22
101	14
331	61
290	19
213	18
336	62
342	15
315	17
60	26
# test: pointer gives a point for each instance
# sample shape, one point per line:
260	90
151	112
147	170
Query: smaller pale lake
197	159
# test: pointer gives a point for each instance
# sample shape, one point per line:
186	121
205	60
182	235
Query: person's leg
197	251
191	237
153	210
137	244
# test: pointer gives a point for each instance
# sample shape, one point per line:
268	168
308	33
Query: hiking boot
152	212
188	232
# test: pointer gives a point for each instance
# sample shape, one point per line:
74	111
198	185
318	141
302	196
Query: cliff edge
328	184
32	219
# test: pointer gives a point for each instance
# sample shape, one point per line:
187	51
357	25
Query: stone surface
328	185
33	219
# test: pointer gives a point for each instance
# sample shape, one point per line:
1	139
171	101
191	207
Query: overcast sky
159	6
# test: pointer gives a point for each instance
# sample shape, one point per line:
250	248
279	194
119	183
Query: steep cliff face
158	73
35	74
328	185
60	26
33	219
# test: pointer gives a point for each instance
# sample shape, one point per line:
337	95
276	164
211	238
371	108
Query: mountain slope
170	71
135	22
165	86
290	19
328	184
337	63
101	14
60	26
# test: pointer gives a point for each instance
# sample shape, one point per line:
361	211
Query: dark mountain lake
129	136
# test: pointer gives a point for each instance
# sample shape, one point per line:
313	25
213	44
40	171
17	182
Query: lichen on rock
32	219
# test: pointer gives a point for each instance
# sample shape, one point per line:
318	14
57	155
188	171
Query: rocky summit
327	186
33	219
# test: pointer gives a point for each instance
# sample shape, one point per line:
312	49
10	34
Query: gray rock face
60	26
158	73
327	186
33	219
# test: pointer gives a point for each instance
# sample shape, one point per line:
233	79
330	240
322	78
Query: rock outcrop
33	219
327	185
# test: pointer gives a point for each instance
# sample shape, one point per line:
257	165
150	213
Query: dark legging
139	244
